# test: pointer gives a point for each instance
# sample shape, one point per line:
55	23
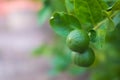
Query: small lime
78	40
85	59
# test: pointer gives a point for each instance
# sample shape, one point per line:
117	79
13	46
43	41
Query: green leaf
58	5
103	5
114	37
70	6
105	28
110	2
63	23
110	25
46	2
100	36
109	22
116	19
89	12
44	14
116	6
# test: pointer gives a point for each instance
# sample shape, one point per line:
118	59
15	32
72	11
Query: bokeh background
20	34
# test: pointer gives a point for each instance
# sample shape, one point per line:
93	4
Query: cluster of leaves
101	18
61	61
89	15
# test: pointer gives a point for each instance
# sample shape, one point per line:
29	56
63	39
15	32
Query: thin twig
99	24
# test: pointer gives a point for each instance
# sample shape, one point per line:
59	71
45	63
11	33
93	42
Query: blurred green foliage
50	6
101	15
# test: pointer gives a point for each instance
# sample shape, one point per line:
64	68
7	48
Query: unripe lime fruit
85	59
78	40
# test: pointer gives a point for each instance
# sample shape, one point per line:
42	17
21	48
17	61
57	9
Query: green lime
78	40
85	59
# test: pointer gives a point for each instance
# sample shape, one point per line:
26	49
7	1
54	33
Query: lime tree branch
100	23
